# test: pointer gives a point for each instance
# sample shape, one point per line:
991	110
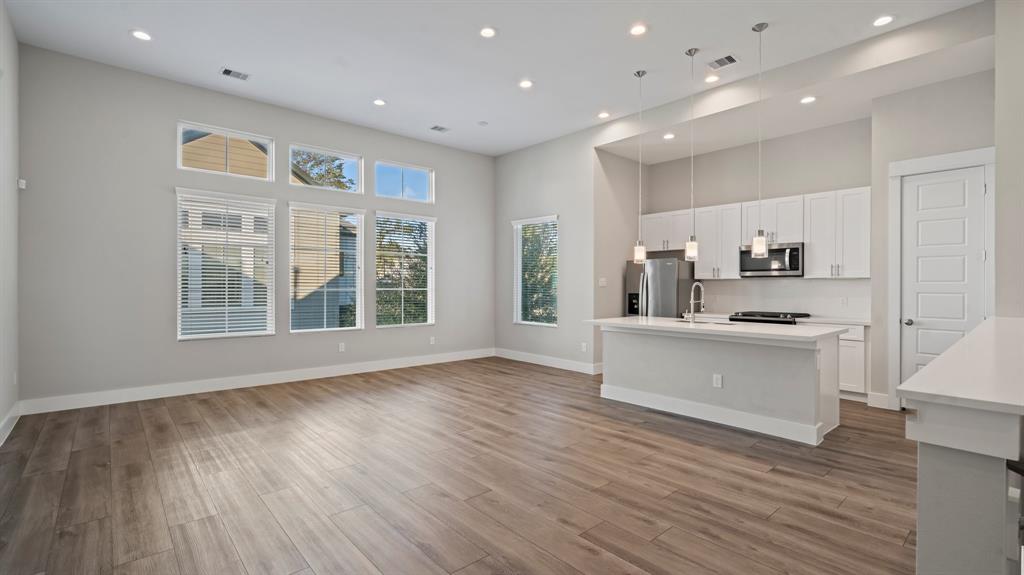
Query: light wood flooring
475	467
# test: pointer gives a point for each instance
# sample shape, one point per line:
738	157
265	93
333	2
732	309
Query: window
405	270
404	182
324	169
210	149
326	267
225	265
536	273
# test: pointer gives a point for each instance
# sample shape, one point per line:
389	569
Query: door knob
909	322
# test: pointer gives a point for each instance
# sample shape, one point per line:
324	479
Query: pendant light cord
760	104
640	164
693	118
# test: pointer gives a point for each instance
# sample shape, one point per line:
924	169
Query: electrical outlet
716	380
844	301
341	347
583	346
432	340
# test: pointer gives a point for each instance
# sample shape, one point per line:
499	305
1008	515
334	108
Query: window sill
225	335
325	330
534	323
428	324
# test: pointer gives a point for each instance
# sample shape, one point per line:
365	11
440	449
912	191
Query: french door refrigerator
658	287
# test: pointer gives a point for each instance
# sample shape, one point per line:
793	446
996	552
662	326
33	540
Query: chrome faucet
693	309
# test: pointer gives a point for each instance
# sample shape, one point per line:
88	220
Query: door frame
980	157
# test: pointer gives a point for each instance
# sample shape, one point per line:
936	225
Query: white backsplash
819	297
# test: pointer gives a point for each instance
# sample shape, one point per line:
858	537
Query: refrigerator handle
643	293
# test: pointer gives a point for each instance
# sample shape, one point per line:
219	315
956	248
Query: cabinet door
853	233
654	232
851	366
678	229
730	228
751	219
707	239
788	220
819	235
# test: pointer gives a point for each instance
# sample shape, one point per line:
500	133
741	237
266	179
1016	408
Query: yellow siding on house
238	156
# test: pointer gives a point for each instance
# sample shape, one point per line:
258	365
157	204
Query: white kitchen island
780	380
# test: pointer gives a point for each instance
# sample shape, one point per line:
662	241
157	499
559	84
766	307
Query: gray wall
97	271
1009	123
946	117
8	214
829	158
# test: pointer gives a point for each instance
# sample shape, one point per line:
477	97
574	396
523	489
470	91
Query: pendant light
759	244
692	249
639	251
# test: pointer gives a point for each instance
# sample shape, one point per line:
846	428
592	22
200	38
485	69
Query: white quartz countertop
799	332
984	370
814	319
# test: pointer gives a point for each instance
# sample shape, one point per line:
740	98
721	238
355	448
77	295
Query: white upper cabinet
853	236
719	230
666	230
782	219
837	234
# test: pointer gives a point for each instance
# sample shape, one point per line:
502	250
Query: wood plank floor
474	467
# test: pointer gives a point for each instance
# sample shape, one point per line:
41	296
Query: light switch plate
716	380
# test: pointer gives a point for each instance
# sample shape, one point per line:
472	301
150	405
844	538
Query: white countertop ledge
747	330
814	319
981	371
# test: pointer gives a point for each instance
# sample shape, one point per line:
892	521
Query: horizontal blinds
404	270
538	272
325	271
225	265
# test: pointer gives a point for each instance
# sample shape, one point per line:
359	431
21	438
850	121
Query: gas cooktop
768	316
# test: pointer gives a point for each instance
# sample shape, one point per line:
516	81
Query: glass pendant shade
639	253
759	247
691	249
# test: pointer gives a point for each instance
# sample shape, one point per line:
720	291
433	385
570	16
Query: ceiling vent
234	74
722	62
439	129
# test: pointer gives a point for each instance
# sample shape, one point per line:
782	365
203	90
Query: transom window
325	169
225	265
536	271
219	150
404	182
326	267
405	270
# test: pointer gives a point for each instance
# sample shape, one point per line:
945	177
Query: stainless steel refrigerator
659	287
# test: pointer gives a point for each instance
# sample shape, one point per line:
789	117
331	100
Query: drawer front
855	333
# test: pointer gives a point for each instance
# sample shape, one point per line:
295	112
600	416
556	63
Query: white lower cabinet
852	369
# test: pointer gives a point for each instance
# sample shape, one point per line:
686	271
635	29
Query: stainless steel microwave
784	260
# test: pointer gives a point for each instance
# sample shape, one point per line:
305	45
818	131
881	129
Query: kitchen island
780	380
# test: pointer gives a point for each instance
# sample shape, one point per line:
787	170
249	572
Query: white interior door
943	262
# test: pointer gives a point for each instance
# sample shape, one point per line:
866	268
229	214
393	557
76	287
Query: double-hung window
324	169
326	267
405	269
536	271
211	149
225	265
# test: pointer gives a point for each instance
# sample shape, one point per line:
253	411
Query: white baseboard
853	396
598	368
59	402
7	423
557	362
803	432
881	400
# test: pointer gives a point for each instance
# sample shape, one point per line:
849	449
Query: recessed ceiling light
488	32
379	102
669	136
882	21
638	29
603	115
526	83
808	100
711	78
141	35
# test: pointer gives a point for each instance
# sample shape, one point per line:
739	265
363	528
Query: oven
784	260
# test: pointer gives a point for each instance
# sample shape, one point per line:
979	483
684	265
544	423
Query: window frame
227	132
431	267
360	291
517	269
336	153
430	182
272	282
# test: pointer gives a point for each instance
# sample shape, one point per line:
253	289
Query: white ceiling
429	62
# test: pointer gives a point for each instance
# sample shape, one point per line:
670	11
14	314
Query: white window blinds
225	265
405	270
326	267
536	271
